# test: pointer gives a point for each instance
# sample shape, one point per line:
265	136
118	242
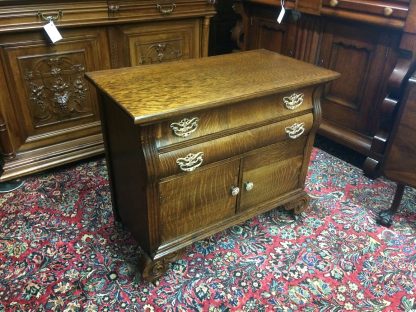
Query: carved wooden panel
47	84
363	56
150	43
56	87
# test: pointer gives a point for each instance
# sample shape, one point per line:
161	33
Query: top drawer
242	116
146	9
30	16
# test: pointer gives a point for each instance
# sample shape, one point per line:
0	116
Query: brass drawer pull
166	9
248	186
190	162
296	130
234	190
48	18
185	127
293	101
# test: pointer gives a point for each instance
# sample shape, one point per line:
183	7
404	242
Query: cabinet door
197	199
50	101
149	43
365	57
272	172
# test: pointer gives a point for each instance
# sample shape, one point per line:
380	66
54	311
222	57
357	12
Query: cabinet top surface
152	92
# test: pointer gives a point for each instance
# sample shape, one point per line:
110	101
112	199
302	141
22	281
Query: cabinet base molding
41	159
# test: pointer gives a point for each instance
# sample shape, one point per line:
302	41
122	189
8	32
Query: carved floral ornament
57	90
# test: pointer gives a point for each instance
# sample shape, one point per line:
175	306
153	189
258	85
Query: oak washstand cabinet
196	146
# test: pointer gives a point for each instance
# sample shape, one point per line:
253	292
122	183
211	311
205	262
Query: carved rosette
57	90
160	52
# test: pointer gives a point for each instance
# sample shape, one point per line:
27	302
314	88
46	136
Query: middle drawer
190	158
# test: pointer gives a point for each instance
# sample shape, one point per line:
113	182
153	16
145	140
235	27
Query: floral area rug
60	251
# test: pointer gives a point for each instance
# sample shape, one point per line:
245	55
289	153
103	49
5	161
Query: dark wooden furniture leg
385	217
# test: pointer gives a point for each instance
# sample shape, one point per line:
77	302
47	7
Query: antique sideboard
368	42
48	111
196	146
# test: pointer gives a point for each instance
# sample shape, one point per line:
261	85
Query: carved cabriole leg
152	270
385	217
299	205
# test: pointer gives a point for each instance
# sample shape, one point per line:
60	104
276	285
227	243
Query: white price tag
52	32
281	14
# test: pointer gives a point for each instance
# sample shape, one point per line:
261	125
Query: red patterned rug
60	251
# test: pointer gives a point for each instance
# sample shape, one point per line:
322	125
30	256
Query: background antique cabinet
48	111
363	40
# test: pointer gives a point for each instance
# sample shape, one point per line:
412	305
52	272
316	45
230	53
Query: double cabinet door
214	193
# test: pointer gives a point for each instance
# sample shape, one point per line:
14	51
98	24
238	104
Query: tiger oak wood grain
244	135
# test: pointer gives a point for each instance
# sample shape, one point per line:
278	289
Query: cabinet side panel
127	171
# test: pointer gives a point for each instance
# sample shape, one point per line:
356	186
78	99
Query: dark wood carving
388	112
57	89
161	51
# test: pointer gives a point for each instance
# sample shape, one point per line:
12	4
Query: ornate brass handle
293	101
296	130
248	186
166	9
234	190
185	127
190	162
49	18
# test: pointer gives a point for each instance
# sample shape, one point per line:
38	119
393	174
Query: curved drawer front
191	158
244	114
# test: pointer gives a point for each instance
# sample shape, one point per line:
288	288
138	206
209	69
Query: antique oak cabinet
362	40
198	145
48	111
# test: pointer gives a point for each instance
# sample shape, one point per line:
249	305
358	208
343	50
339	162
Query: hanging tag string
282	11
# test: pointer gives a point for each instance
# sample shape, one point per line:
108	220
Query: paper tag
52	32
281	14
